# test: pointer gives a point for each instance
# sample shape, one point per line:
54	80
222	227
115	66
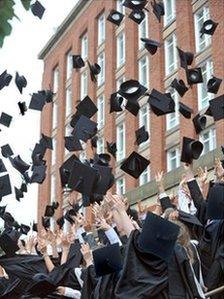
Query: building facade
122	56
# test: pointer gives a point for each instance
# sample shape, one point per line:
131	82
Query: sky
19	53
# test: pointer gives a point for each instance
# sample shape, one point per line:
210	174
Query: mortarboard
186	58
2	210
115	17
199	122
107	260
86	107
5	79
135	4
215	209
85	128
35	227
26	177
134	165
72	144
6	151
208	27
23	187
24	229
105	179
39	174
42	286
112	148
74	119
158	9
45	222
102	159
37	102
8	242
49	211
94	142
165	203
133	107
5	186
37	9
48	95
141	135
191	149
82	178
137	16
19	164
115	103
188	218
69	216
151	45
20	82
180	86
66	168
22	107
8	219
213	85
194	76
5	119
18	193
185	110
77	62
132	90
46	142
60	222
217	107
94	70
38	154
55	205
2	166
158	236
160	103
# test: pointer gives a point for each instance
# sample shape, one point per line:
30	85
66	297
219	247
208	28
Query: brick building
122	56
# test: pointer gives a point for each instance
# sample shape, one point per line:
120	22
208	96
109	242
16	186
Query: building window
84	85
144	177
120	142
53	188
173	119
56	80
68	106
101	62
54	151
199	18
144	120
100	145
170	54
120	6
120	49
100	112
84	47
69	65
208	139
120	186
170	11
101	29
143	71
173	159
203	95
142	32
55	115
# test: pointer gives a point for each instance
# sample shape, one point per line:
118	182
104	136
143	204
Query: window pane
142	31
68	101
173	119
120	142
170	54
101	29
100	112
54	151
84	85
143	71
56	80
55	115
120	7
200	17
101	62
144	177
69	65
53	188
208	139
120	186
120	49
203	95
173	159
100	145
84	47
170	11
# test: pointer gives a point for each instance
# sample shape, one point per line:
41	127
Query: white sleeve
78	273
71	293
79	232
112	236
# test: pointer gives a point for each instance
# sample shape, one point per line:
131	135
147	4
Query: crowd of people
169	249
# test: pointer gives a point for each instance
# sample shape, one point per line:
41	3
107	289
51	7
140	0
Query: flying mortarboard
8	219
115	17
5	79
208	27
74	119
194	76
2	166
165	203
60	222
115	103
86	107
37	9
185	110
6	151
134	165
39	174
85	128
2	210
216	106
160	103
105	180
20	82
72	144
37	102
45	222
141	135
132	90
102	159
112	148
77	62
191	150
135	4
8	242
48	95
38	154
18	193
137	16
133	107
188	218
94	70
5	119
158	9
35	227
49	211
23	187
151	45
46	141
66	168
19	164
199	122
22	107
24	229
213	85
186	58
180	86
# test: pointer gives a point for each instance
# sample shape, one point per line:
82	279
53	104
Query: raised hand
101	223
202	175
87	254
159	181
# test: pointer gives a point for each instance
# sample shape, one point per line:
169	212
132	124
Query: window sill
169	23
100	85
170	75
199	52
120	67
172	130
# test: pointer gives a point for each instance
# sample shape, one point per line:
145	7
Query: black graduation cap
20	82
137	16
72	144
208	27
49	211
194	76
38	154
217	107
19	164
8	219
69	216
77	62
66	168
46	141
115	103
165	203
5	186
135	164
132	90
158	236
213	85
8	242
18	193
2	210
46	222
151	45
191	149
74	119
24	229
5	119
23	187
115	17
94	70
107	260
180	86
85	128
42	286
37	9
160	103
39	174
199	122
158	9
94	142
215	209
5	79
2	166
49	95
35	227
112	148
141	135
186	58
60	222
188	218
105	179
86	107
135	4
185	110
102	159
82	178
133	107
38	100
22	107
6	151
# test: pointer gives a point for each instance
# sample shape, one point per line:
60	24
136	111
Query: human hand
87	254
61	291
202	175
159	181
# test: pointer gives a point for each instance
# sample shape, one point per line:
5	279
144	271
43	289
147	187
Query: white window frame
101	62
171	41
55	115
204	41
169	158
54	151
84	47
68	101
143	71
120	49
211	140
143	32
169	18
56	76
120	155
101	29
100	112
173	119
83	85
144	177
69	65
53	188
207	71
120	7
120	184
100	145
144	115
